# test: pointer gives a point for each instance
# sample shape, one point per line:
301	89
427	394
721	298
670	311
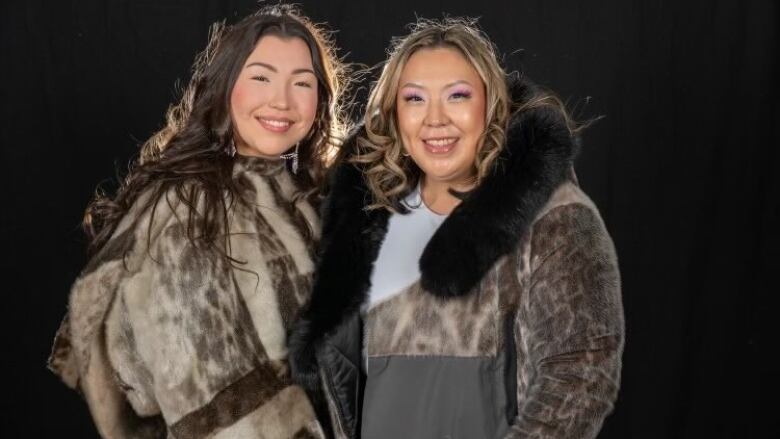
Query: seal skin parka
165	339
515	327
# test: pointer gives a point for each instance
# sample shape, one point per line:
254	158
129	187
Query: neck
437	197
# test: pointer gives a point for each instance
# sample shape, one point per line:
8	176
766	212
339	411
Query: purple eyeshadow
464	92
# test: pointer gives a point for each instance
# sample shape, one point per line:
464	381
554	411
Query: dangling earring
294	157
231	149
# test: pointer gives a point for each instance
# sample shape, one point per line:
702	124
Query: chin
438	176
272	150
441	173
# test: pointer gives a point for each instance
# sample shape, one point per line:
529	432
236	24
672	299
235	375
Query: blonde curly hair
389	174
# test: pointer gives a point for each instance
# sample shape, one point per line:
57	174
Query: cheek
238	98
409	120
472	118
307	107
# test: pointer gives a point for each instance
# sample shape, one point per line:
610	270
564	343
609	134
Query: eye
460	95
413	98
260	78
305	84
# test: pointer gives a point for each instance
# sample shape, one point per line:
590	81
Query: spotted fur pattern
170	339
419	323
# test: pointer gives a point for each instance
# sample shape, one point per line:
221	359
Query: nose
280	99
436	116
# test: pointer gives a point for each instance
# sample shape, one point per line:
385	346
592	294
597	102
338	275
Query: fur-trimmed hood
488	224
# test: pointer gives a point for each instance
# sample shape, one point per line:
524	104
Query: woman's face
441	114
274	101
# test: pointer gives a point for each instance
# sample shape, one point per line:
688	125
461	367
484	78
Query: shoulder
570	220
154	215
574	286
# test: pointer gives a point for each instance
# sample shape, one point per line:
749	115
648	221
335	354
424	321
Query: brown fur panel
232	403
569	327
287	414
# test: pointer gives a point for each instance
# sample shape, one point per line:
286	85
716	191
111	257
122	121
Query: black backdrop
682	168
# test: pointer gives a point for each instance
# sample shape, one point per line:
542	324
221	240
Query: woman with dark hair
200	263
467	287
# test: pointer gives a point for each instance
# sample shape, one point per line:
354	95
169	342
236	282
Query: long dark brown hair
190	157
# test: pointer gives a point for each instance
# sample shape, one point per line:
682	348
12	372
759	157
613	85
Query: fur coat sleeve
80	353
569	327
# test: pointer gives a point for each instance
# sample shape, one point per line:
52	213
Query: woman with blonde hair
200	263
467	287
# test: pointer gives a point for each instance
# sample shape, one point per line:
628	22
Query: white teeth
441	142
276	123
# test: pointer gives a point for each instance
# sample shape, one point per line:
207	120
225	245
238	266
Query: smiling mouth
275	125
440	145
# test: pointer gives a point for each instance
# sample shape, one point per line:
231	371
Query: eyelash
458	95
461	95
261	78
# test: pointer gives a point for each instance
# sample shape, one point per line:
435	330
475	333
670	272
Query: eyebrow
275	70
451	84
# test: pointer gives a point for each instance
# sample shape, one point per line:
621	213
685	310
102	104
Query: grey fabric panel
414	397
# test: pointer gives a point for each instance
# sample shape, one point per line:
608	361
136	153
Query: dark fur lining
489	223
485	226
351	237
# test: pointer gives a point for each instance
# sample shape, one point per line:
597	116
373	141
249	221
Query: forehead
439	65
281	51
